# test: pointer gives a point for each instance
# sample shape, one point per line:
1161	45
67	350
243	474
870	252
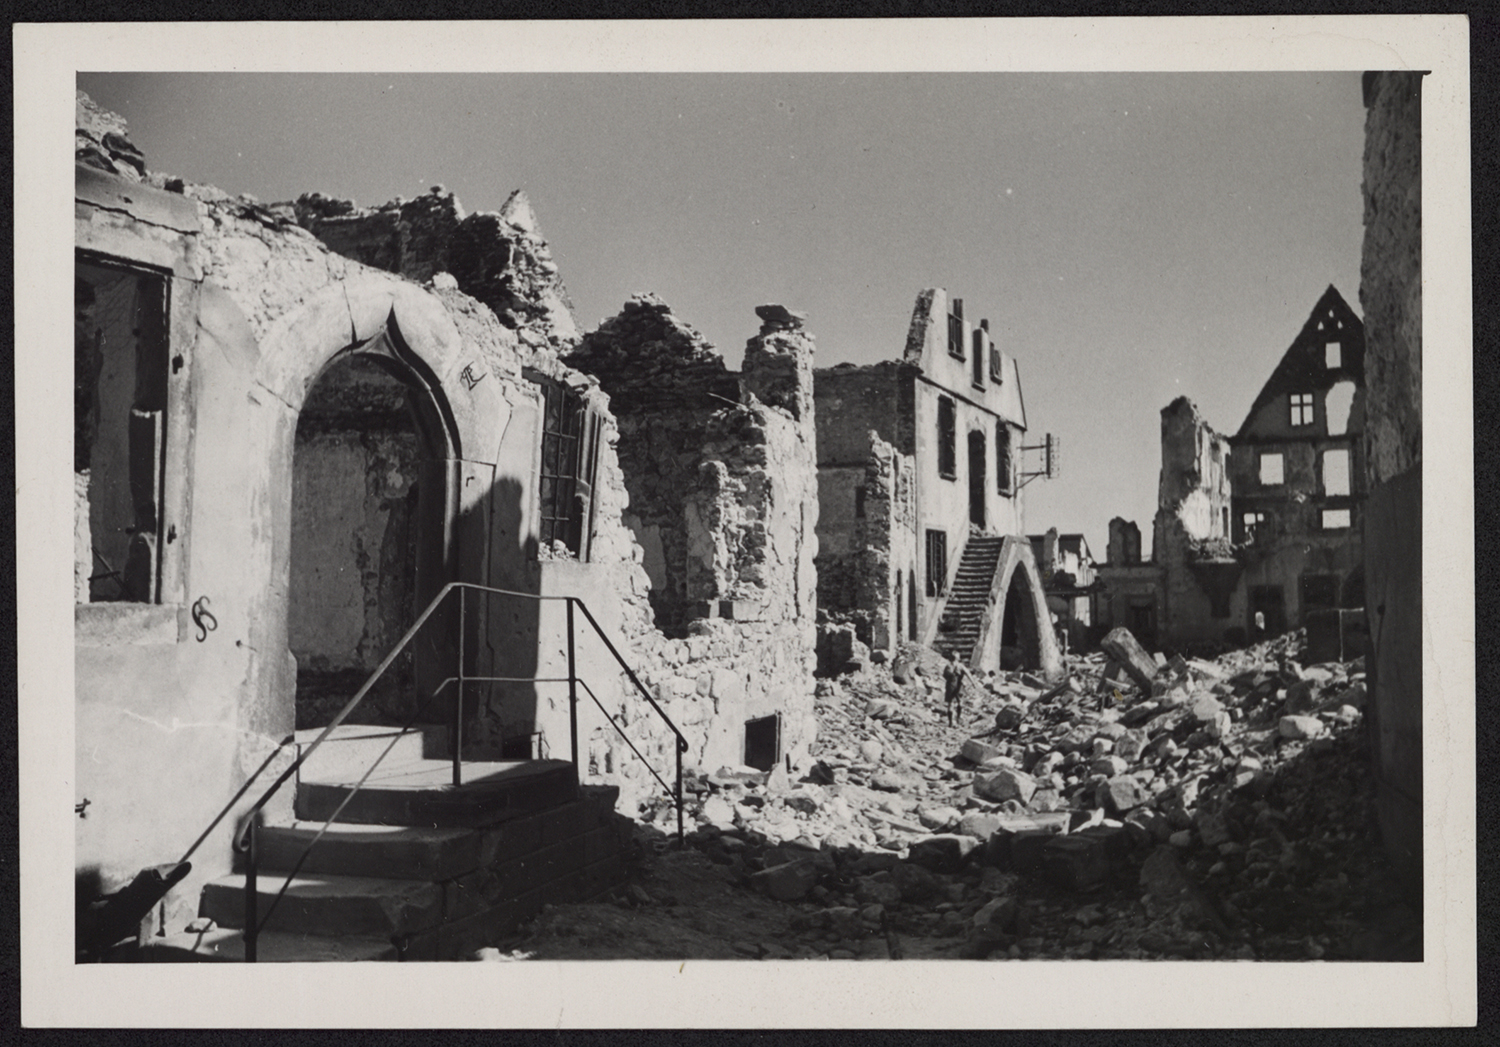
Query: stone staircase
968	599
414	868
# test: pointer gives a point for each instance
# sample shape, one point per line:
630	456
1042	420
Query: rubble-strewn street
1221	813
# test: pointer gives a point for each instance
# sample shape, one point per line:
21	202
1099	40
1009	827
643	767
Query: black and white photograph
556	504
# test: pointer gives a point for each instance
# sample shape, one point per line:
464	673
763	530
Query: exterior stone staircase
968	599
414	868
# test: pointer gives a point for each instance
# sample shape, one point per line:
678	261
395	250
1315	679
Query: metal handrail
244	839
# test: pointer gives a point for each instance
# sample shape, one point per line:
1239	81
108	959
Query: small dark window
947	439
997	367
937	562
763	742
955	336
978	358
859	502
1319	590
1004	467
570	451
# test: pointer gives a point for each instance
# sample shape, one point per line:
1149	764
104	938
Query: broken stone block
790	882
915	883
806	798
1300	728
870	751
882	709
1121	645
718	812
1212	828
979	824
938	818
946	853
1075	862
1025	850
1110	766
1006	784
1122	794
978	750
1045	800
1009	717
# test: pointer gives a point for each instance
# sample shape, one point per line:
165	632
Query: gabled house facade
921	520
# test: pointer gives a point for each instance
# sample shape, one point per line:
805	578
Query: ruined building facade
920	531
296	424
1255	532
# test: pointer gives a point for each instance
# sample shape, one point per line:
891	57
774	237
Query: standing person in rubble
954	675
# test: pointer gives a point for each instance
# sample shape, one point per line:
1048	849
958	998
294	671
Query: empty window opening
1319	590
898	600
1302	408
978	487
119	431
1266	611
1004	464
937	562
956	329
911	606
1270	470
997	365
763	742
1333	356
1336	472
1252	526
947	439
1337	405
1140	619
978	358
1224	521
859	502
1335	519
570	450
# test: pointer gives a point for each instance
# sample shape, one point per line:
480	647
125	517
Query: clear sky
1131	237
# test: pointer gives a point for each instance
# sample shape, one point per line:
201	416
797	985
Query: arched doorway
1020	637
358	522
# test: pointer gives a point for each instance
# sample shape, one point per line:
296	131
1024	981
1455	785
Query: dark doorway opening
1020	638
976	478
763	742
357	524
1269	603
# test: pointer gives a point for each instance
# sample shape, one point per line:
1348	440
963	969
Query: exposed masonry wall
864	561
722	497
1390	290
1192	501
1390	293
499	258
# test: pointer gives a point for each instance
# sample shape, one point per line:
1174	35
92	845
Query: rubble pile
1142	808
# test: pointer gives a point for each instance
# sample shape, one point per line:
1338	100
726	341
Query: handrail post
458	699
572	688
680	838
252	916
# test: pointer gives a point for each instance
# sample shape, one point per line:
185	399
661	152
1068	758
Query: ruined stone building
1257	531
1070	581
296	424
1390	295
920	528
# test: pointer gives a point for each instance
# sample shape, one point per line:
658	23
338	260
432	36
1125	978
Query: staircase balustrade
245	838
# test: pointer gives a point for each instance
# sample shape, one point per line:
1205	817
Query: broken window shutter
146	448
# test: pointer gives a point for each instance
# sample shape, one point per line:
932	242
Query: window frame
1260	463
936	562
571	506
157	261
1303	406
947	438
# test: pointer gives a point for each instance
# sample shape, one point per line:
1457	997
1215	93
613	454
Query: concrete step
351	748
361	906
387	851
421	793
227	945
